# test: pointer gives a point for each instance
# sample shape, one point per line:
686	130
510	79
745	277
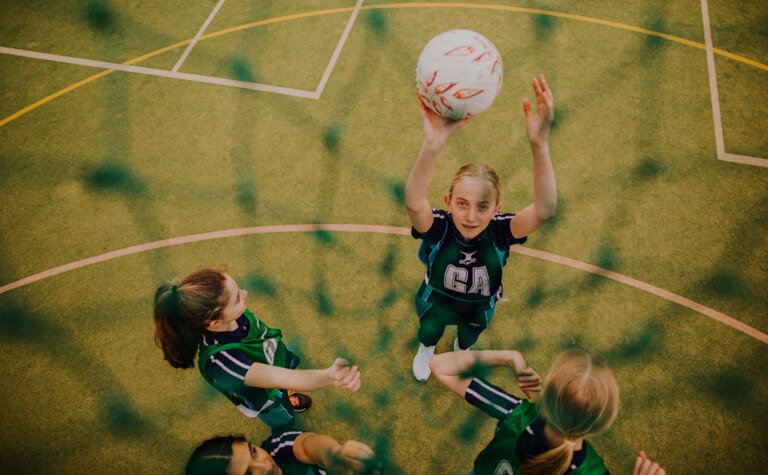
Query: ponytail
552	462
182	311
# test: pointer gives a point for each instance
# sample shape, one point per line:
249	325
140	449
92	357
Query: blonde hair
477	170
579	398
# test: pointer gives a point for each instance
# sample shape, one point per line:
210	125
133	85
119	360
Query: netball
459	73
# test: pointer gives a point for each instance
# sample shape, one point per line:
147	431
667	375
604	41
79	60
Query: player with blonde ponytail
579	399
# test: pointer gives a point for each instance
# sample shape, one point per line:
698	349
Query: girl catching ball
239	355
466	246
579	399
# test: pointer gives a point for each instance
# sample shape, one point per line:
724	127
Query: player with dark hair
239	355
288	453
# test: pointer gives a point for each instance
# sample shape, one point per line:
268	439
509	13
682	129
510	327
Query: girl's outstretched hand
645	466
538	123
438	129
353	457
344	376
528	380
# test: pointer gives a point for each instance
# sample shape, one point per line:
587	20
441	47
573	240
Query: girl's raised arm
544	189
320	449
437	131
338	374
454	368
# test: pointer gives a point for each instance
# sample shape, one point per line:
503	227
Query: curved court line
644	286
368	228
302	15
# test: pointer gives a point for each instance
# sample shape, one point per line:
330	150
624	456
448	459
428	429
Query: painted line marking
200	32
158	72
715	99
303	15
644	286
339	47
289	228
367	228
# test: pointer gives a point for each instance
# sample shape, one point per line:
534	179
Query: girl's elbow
545	213
411	208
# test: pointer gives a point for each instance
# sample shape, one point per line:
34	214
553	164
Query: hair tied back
175	298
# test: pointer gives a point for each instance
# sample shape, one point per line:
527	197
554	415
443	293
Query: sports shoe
299	402
421	369
456	346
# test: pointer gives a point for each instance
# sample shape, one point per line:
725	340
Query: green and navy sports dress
519	435
463	278
225	358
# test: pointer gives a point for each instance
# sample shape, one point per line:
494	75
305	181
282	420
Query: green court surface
105	164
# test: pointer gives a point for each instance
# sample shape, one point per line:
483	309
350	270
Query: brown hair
477	170
181	312
579	398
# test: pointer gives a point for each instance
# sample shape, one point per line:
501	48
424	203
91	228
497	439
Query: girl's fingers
354	385
341	362
638	462
351	375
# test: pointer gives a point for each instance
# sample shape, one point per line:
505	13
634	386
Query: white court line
197	36
337	51
160	73
175	74
715	97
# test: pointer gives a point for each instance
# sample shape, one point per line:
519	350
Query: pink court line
665	294
368	228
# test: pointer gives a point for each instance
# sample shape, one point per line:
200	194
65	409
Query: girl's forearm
266	376
544	184
461	362
421	175
316	449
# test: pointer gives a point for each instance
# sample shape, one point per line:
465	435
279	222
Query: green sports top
224	364
499	457
469	271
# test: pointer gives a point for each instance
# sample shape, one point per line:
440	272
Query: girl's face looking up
473	203
248	459
234	307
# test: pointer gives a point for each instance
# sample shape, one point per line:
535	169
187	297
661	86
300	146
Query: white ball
459	73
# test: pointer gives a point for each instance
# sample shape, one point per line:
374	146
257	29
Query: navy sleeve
228	368
490	399
502	233
437	230
280	446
